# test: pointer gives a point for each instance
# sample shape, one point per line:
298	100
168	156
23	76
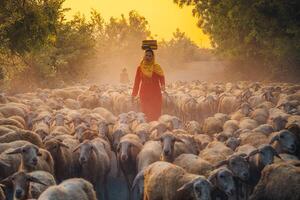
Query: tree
259	33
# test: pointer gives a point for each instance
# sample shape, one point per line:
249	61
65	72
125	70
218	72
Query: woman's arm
162	82
137	82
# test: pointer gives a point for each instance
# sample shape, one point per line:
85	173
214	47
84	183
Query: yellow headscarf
148	68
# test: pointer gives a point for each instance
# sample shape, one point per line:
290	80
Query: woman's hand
163	88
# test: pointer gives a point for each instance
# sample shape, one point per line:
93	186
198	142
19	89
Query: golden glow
163	15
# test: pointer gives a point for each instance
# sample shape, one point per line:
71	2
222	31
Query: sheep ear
275	153
4	163
35	180
6	181
276	137
179	140
76	148
221	163
15	151
186	186
252	153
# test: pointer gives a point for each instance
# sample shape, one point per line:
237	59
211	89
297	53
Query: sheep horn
35	180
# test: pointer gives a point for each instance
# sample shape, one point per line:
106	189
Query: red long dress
150	93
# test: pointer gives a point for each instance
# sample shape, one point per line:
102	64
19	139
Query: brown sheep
95	162
12	122
279	181
260	115
194	164
70	189
215	152
212	125
285	142
34	158
14	144
64	161
149	154
22	135
166	181
29	185
247	123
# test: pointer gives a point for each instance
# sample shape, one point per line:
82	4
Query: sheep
171	122
8	110
42	129
95	162
34	158
193	127
233	142
149	154
278	122
129	147
247	123
29	185
230	127
228	104
22	135
258	159
265	129
14	144
168	140
215	152
166	181
119	130
285	142
143	131
244	111
70	189
194	164
64	161
13	122
212	125
223	184
253	138
260	115
270	186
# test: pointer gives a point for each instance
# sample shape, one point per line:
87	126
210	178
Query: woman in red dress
149	82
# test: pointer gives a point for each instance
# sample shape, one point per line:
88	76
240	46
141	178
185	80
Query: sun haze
163	16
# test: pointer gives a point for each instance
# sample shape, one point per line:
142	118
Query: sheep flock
213	141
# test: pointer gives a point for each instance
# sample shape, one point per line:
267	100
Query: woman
149	82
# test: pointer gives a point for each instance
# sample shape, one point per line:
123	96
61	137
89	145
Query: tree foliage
260	33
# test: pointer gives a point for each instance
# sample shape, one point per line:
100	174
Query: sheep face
233	143
86	150
116	137
239	167
54	145
246	109
176	123
278	123
202	190
223	180
29	154
21	182
167	141
265	155
123	150
287	141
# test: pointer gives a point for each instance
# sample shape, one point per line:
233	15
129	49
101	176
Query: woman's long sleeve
137	82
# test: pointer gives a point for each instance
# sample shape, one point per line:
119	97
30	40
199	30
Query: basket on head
149	44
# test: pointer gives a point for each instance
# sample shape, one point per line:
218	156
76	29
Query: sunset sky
163	16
